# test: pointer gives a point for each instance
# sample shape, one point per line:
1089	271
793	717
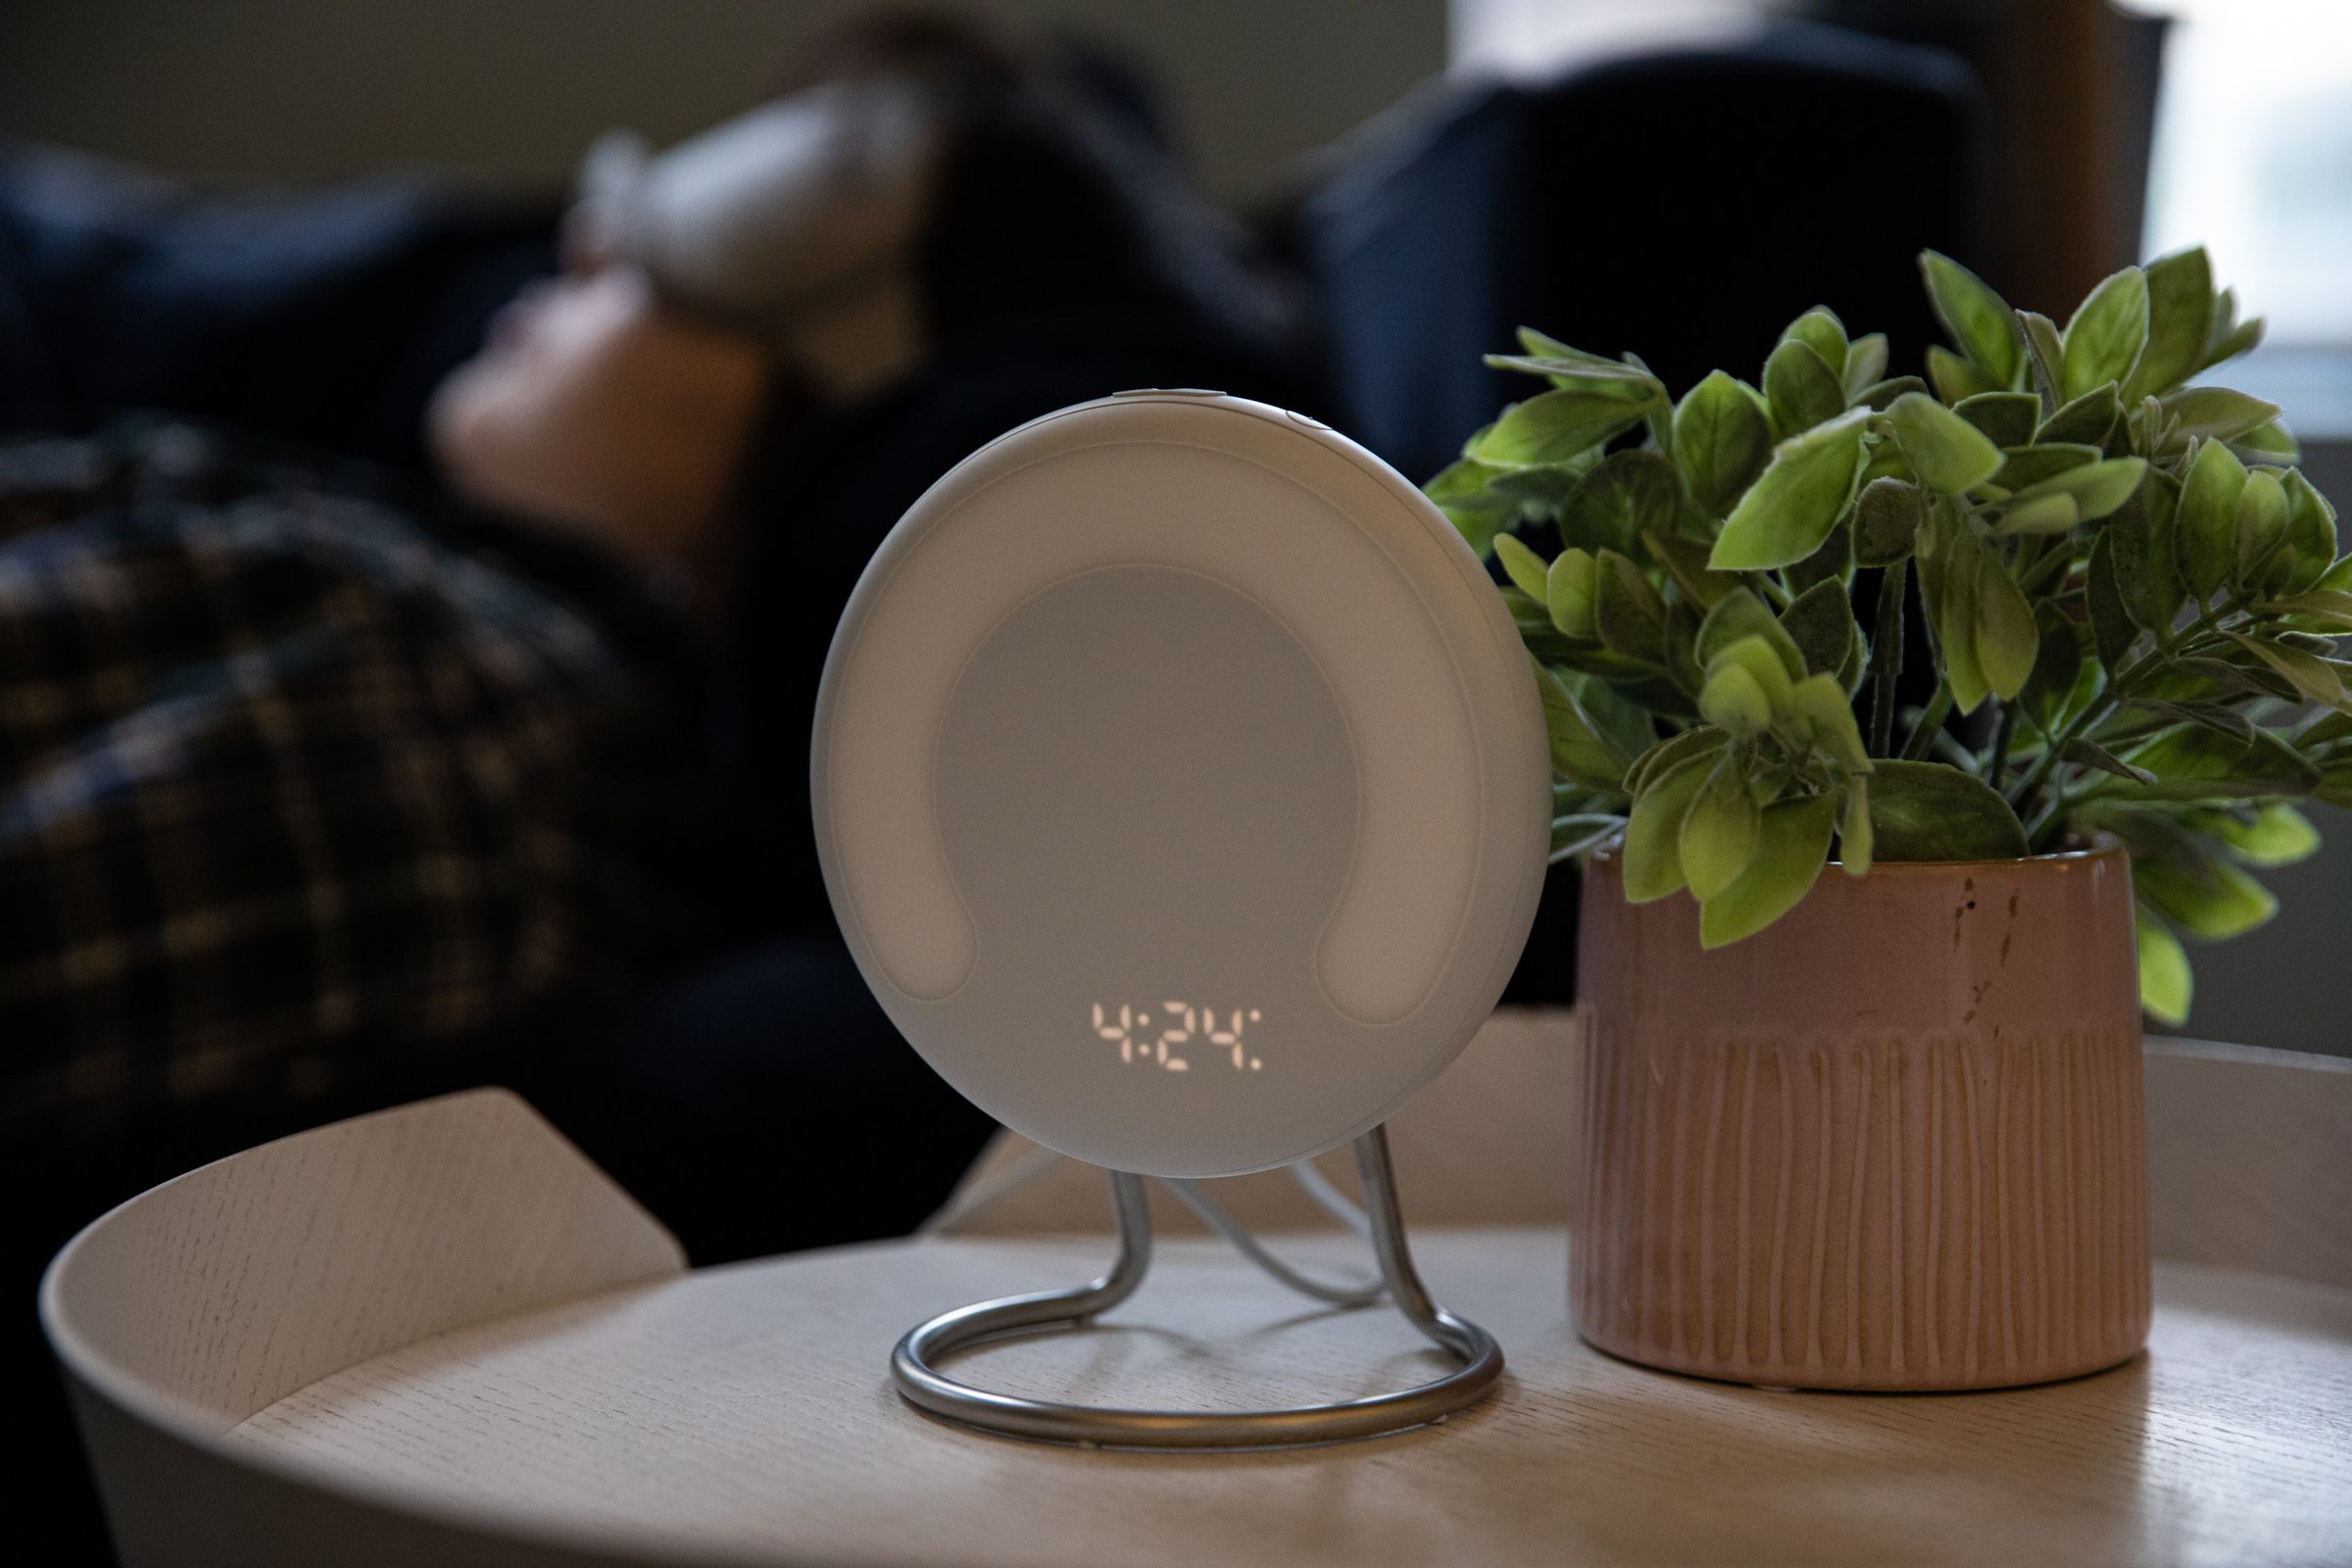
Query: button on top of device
1300	418
1169	392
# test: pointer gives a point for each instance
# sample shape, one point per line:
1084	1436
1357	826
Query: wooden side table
438	1335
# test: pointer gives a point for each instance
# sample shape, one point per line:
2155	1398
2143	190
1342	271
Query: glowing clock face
1146	803
1181	786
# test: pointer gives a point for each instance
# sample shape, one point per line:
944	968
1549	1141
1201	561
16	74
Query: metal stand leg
914	1362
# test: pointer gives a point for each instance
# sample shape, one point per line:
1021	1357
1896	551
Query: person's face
592	406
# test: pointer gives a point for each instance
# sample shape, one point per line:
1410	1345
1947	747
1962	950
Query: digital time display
1181	1029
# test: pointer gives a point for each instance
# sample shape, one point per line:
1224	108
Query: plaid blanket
280	770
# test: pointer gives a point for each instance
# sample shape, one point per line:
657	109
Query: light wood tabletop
743	1411
439	1335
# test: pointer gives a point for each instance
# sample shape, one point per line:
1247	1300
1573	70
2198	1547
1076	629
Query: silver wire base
914	1362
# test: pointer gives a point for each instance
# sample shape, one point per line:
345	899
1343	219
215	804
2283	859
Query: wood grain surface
239	1282
742	1413
439	1335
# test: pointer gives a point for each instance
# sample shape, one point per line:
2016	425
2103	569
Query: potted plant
1882	1128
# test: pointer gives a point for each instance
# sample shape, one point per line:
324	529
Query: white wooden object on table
437	1335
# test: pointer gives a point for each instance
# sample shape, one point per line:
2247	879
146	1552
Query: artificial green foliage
2133	600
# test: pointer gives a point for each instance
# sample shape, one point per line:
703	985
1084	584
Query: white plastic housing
1180	784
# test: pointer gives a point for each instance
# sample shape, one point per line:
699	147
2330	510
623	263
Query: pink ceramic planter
1893	1142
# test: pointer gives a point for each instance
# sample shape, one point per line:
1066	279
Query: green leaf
2088	420
2241	339
1948	587
1822	709
2047	514
2206	519
2089	754
1719	830
1581	750
2007	641
1653	831
1554	427
1865	364
1626	495
2217	414
1820	330
1539	493
1800	389
2179	308
1460	492
2216	717
1888	516
1627	721
1933	811
2103	340
1536	343
2261	531
1740	615
2313	679
2274	835
2165	986
2269	443
1627	612
2057	666
1792	845
1820	623
1610	377
1722	440
1568	592
2195	761
1976	318
1956	379
2023	467
1791	510
1947	451
2097	488
2007	418
2146	556
1700	740
2213	900
1833	561
2309	531
2332	606
2043	354
2113	631
1685	562
1734	700
1879	396
1527	570
1766	657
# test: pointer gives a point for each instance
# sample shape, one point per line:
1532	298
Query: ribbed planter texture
1894	1141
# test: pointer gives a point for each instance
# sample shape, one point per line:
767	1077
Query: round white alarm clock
1181	784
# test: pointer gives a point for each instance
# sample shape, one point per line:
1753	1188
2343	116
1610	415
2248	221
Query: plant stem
2000	745
1887	656
2045	819
1923	734
2097	709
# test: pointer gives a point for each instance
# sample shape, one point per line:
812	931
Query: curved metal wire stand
914	1362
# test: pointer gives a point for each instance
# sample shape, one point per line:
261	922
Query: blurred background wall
2251	121
510	91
